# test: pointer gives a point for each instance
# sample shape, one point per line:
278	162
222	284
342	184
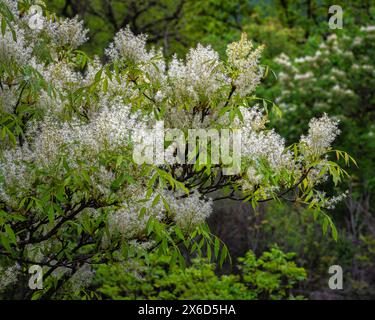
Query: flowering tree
71	194
338	78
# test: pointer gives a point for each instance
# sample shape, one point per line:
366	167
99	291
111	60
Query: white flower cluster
368	28
110	129
62	75
14	50
200	78
126	46
81	279
305	76
245	59
8	99
9	275
266	145
284	61
67	32
342	91
16	178
258	143
331	203
131	49
254	117
189	211
130	221
324	81
322	132
12	5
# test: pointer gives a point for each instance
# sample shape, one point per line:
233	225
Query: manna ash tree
71	194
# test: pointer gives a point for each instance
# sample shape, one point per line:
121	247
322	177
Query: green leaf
150	225
5	242
105	85
224	254
3	26
156	200
98	75
325	226
333	230
166	204
10	233
179	233
51	215
216	247
142	212
209	254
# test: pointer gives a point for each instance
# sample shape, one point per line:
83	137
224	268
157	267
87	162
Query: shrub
271	276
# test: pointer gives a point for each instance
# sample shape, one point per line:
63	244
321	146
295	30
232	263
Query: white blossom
265	145
9	275
126	46
14	50
242	56
67	32
322	132
200	78
368	28
187	212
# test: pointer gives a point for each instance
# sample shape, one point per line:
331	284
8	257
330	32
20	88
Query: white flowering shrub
338	78
71	194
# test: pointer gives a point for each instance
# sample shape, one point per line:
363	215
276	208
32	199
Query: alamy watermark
36	278
335	282
224	147
336	20
36	19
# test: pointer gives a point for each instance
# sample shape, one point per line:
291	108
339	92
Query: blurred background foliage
303	88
